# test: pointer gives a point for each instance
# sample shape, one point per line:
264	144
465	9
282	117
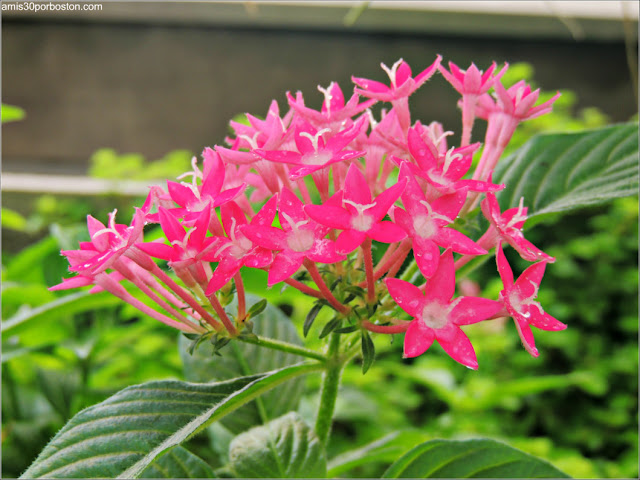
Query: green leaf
246	359
178	463
311	317
567	171
257	308
13	220
330	326
11	113
368	351
385	449
123	435
284	448
52	311
482	458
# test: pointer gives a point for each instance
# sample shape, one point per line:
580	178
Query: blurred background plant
576	405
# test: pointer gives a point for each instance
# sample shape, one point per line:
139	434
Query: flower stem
282	346
303	288
315	274
329	393
368	268
242	302
388	329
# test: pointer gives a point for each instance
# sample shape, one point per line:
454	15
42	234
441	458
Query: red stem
303	288
168	281
217	306
388	329
242	301
315	274
368	268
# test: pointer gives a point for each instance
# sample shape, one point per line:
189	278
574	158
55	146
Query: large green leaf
385	449
567	171
240	359
481	458
283	448
65	306
126	433
178	463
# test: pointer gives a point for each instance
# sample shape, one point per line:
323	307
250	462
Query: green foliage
563	172
283	448
11	113
126	433
107	163
238	359
470	459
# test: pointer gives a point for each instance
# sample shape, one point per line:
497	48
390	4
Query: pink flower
507	227
314	153
334	110
107	244
300	238
237	250
436	317
519	300
186	249
402	82
445	172
517	101
472	81
269	134
362	216
424	222
193	198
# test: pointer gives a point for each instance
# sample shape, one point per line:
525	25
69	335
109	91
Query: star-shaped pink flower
313	152
299	238
471	81
237	250
519	300
445	172
362	216
334	110
193	198
403	84
507	226
107	244
425	223
436	317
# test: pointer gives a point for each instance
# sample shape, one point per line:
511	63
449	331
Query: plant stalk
329	393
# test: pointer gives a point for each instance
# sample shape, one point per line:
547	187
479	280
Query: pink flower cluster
330	183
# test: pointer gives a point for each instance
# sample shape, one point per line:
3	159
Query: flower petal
349	240
454	341
334	217
506	274
355	186
544	321
427	255
442	284
408	297
283	266
458	242
470	310
417	339
386	232
526	335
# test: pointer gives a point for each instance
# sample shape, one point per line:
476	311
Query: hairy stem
329	393
282	346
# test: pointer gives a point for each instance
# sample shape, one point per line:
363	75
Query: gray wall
154	88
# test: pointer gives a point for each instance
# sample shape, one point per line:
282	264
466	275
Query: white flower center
424	226
435	316
361	222
298	240
517	303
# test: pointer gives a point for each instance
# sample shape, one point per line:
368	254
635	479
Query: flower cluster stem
368	268
329	393
282	346
324	289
